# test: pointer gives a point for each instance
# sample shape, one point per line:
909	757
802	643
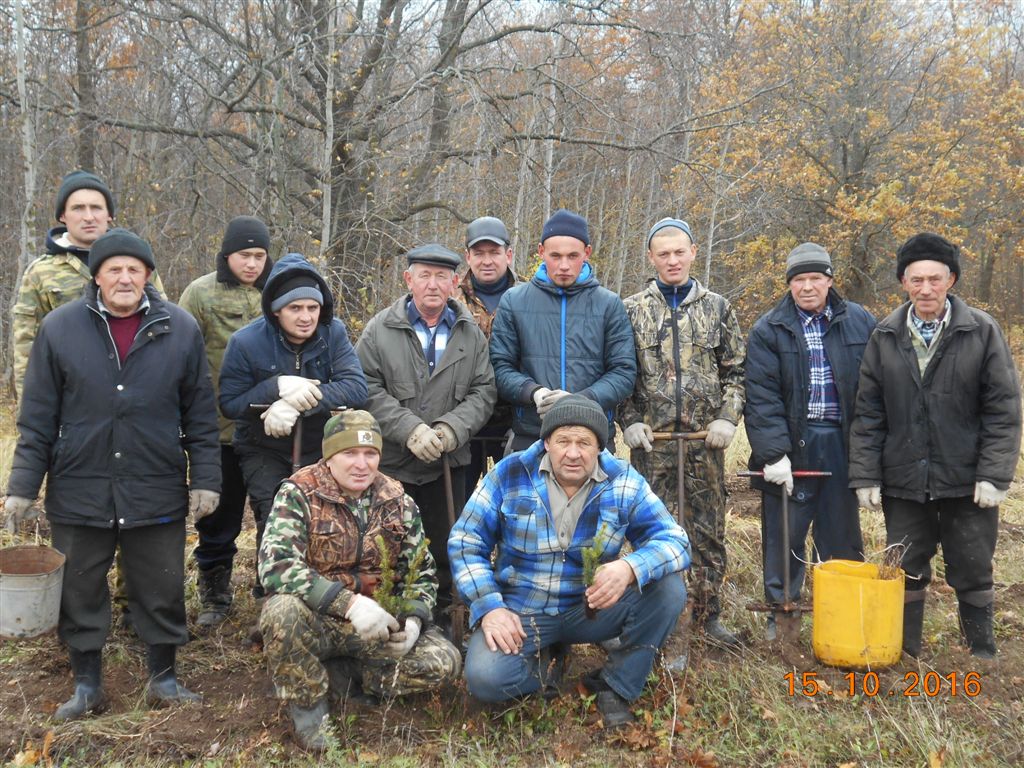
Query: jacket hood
54	248
289	266
587	279
226	276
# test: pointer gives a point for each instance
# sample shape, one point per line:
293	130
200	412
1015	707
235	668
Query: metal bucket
30	585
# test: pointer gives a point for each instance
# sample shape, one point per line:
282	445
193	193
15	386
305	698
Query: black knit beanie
119	242
244	232
295	288
576	411
927	246
77	180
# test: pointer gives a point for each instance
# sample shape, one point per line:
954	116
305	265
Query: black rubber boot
215	594
976	626
163	687
312	726
88	695
716	632
913	621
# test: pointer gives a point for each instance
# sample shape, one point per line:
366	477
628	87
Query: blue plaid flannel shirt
822	395
509	512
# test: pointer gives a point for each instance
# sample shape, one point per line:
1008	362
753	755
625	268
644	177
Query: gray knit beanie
808	257
576	411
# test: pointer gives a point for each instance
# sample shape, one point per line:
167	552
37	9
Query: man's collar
942	319
143	305
447	316
806	317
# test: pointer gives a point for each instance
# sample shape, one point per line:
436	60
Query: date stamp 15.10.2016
913	683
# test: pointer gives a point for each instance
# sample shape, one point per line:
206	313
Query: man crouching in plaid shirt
540	509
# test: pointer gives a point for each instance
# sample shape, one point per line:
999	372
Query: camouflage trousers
297	640
704	515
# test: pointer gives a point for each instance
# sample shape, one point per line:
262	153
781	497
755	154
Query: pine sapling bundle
591	560
385	592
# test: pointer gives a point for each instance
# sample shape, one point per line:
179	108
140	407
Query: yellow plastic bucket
858	617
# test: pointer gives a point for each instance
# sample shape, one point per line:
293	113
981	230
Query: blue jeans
643	621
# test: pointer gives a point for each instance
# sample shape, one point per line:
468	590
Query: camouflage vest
341	547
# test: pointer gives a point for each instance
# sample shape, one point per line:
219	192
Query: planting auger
681	439
458	609
787	614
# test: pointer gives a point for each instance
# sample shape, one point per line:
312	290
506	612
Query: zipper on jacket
562	379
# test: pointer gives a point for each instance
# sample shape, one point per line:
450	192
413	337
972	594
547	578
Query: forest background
360	129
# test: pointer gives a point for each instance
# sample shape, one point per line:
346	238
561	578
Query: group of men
357	459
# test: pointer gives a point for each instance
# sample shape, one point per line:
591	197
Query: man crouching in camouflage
332	527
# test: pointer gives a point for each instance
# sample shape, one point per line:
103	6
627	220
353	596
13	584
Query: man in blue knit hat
561	333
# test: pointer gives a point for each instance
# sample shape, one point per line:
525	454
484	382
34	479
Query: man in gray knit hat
801	383
552	513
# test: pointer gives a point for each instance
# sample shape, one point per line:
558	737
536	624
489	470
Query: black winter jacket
778	378
935	436
116	441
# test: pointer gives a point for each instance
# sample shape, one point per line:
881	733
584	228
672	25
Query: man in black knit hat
936	437
118	415
222	302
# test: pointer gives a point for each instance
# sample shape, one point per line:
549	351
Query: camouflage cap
351	429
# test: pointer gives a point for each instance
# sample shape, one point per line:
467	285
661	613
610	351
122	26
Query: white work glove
369	620
720	433
425	444
19	510
987	495
300	393
447	435
202	503
279	418
400	643
870	497
550	397
780	473
639	435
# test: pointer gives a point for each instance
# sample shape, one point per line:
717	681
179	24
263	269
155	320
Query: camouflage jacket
321	548
54	279
502	415
220	308
689	361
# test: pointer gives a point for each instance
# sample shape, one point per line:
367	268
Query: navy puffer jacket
578	339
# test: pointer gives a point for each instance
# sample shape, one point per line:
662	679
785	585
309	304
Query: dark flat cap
434	254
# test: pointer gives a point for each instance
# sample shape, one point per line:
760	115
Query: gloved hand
987	495
539	394
369	620
780	473
447	435
279	418
639	435
19	510
202	503
870	497
400	643
547	402
425	444
300	393
720	433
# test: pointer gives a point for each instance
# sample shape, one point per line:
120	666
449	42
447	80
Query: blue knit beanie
568	224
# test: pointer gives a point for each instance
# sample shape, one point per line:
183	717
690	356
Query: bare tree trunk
28	139
85	70
328	159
